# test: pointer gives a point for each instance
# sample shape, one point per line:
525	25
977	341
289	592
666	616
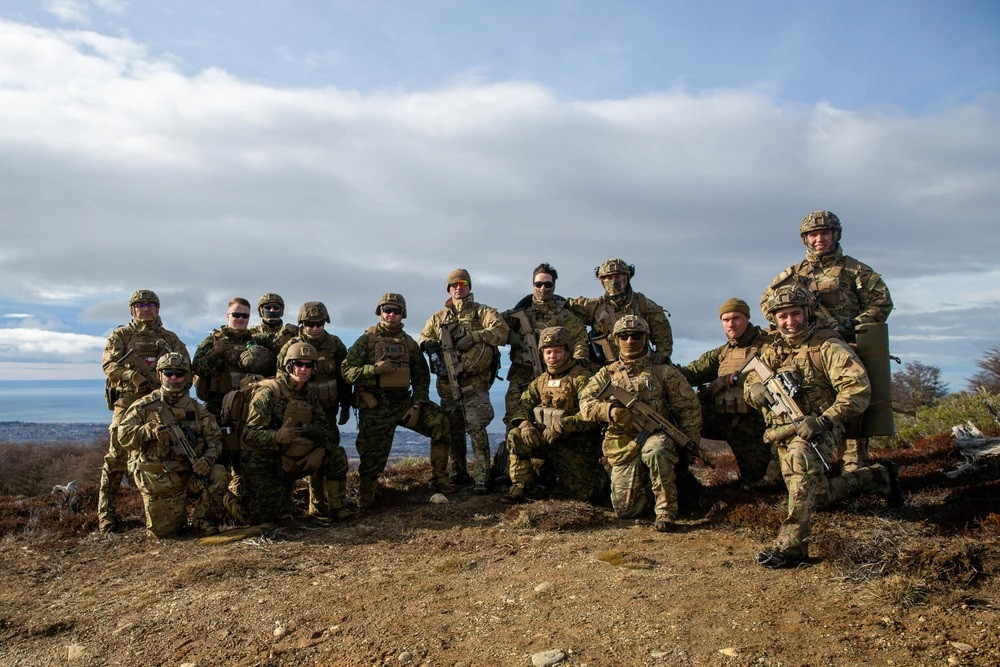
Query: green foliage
939	418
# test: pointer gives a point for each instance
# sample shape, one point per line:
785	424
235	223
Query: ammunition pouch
110	394
601	350
366	399
293	456
201	387
547	416
326	393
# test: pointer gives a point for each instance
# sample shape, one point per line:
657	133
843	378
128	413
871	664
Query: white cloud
38	342
10	370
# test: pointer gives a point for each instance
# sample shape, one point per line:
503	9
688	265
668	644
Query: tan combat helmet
173	361
313	311
787	296
820	220
630	323
143	295
300	351
555	337
614	265
392	299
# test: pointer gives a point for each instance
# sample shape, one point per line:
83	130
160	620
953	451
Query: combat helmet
257	359
630	323
300	351
143	295
614	265
787	296
820	220
270	297
555	337
173	361
393	299
313	311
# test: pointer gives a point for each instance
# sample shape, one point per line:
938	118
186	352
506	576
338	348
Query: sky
334	151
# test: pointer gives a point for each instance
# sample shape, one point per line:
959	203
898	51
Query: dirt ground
476	582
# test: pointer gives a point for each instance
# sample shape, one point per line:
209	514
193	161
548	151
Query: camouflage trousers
652	470
477	416
319	503
267	488
167	494
807	485
116	464
377	425
853	454
745	435
576	459
518	379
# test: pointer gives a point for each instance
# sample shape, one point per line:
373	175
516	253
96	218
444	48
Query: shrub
32	468
939	418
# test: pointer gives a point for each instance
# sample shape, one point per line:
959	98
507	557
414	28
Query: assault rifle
182	440
782	389
530	341
649	420
453	365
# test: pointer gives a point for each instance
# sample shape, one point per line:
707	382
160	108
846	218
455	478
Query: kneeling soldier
383	364
641	458
288	436
546	424
176	441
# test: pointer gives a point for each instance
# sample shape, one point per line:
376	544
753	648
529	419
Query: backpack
236	410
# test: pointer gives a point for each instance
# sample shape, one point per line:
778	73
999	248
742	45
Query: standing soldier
328	383
848	293
619	299
640	459
176	442
546	424
129	362
822	380
271	308
288	435
464	336
724	413
383	364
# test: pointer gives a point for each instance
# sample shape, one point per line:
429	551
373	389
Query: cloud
123	172
35	343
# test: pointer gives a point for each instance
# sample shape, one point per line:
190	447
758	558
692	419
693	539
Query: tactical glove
201	467
140	382
552	431
812	427
287	435
313	460
529	434
515	340
847	326
466	342
622	417
758	395
385	366
345	414
720	383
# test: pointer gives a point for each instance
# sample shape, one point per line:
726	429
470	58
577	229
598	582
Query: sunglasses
544	283
174	374
145	304
272	307
631	335
313	325
240	316
303	364
458	283
392	310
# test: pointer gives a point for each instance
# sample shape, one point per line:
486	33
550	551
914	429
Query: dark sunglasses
312	325
303	364
458	283
145	304
392	310
544	283
272	307
240	316
631	335
174	374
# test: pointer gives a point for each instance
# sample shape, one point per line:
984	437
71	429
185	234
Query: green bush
950	411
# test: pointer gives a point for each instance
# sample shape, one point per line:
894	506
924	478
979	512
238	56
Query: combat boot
334	490
366	492
515	495
439	470
319	500
894	496
443	486
664	524
776	559
107	525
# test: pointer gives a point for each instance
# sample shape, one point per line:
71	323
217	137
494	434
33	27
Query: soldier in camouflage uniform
329	384
541	309
639	461
835	391
271	308
288	435
546	424
848	293
620	299
168	479
475	331
724	413
129	362
383	365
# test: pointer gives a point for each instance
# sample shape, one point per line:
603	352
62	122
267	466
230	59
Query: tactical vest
729	400
156	457
557	395
392	348
324	379
806	363
480	357
143	349
646	384
825	282
234	412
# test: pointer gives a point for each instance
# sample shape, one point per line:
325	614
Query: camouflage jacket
135	348
269	407
845	287
484	323
727	359
217	358
540	316
660	386
328	378
830	373
153	411
359	366
558	391
276	336
601	313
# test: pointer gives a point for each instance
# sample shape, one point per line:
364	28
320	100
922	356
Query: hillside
474	582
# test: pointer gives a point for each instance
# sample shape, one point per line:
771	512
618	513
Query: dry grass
626	559
897	590
557	515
